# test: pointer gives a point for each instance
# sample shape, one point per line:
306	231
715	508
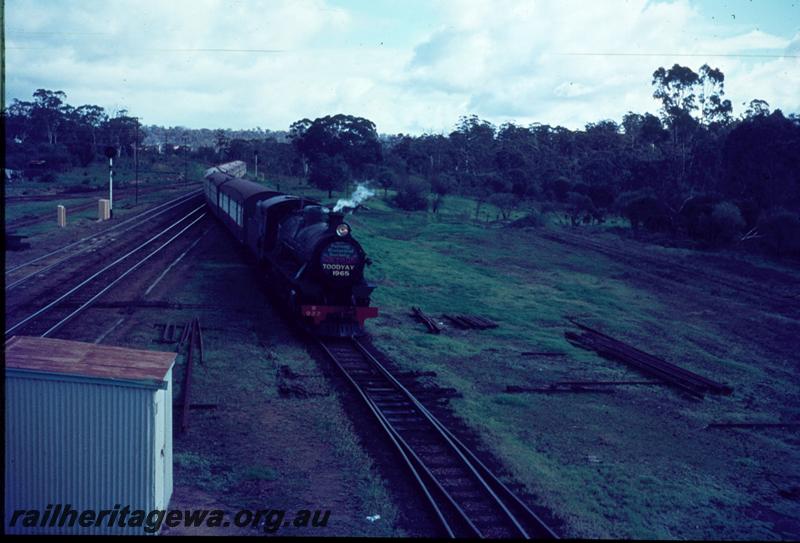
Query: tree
714	109
276	156
47	113
17	120
726	223
386	179
676	90
757	108
441	186
412	194
329	173
581	209
761	160
121	131
506	202
297	131
239	149
354	139
473	143
641	208
481	187
92	118
781	232
221	143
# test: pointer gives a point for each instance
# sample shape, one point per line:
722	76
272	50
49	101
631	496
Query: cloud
574	62
793	47
245	63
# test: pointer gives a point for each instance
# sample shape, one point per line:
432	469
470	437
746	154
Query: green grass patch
622	465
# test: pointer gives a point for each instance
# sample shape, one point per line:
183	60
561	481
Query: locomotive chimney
335	219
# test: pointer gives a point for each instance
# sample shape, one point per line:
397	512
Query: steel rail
407	393
545	532
181	199
130	270
730	282
473	530
90	247
392	436
601	343
485	486
104	269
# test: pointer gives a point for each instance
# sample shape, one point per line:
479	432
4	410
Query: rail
466	497
130	262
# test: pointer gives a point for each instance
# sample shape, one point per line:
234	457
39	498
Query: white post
111	187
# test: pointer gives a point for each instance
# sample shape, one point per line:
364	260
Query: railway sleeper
454	476
428	449
395	412
391	402
356	372
404	424
472	500
381	390
436	461
408	428
368	381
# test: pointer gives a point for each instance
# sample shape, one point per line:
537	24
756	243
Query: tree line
693	170
48	131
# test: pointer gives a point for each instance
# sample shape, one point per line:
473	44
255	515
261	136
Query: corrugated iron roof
76	358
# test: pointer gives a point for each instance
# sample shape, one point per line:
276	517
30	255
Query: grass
123	208
152	170
633	464
657	477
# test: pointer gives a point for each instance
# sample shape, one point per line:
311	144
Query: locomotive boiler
307	253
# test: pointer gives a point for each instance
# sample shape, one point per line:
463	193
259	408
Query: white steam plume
361	193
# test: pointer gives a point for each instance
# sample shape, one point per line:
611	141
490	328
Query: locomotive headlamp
342	230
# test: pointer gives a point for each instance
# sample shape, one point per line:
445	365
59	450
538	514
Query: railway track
29	220
465	496
21	273
73	299
94	194
785	303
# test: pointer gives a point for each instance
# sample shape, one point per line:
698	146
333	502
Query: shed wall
84	444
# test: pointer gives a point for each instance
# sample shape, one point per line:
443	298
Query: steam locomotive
307	253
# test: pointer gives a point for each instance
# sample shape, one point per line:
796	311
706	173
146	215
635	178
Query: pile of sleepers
432	325
611	348
471	321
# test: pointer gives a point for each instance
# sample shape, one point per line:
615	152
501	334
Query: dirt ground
254	448
275	428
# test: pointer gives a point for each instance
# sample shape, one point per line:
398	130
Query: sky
409	66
